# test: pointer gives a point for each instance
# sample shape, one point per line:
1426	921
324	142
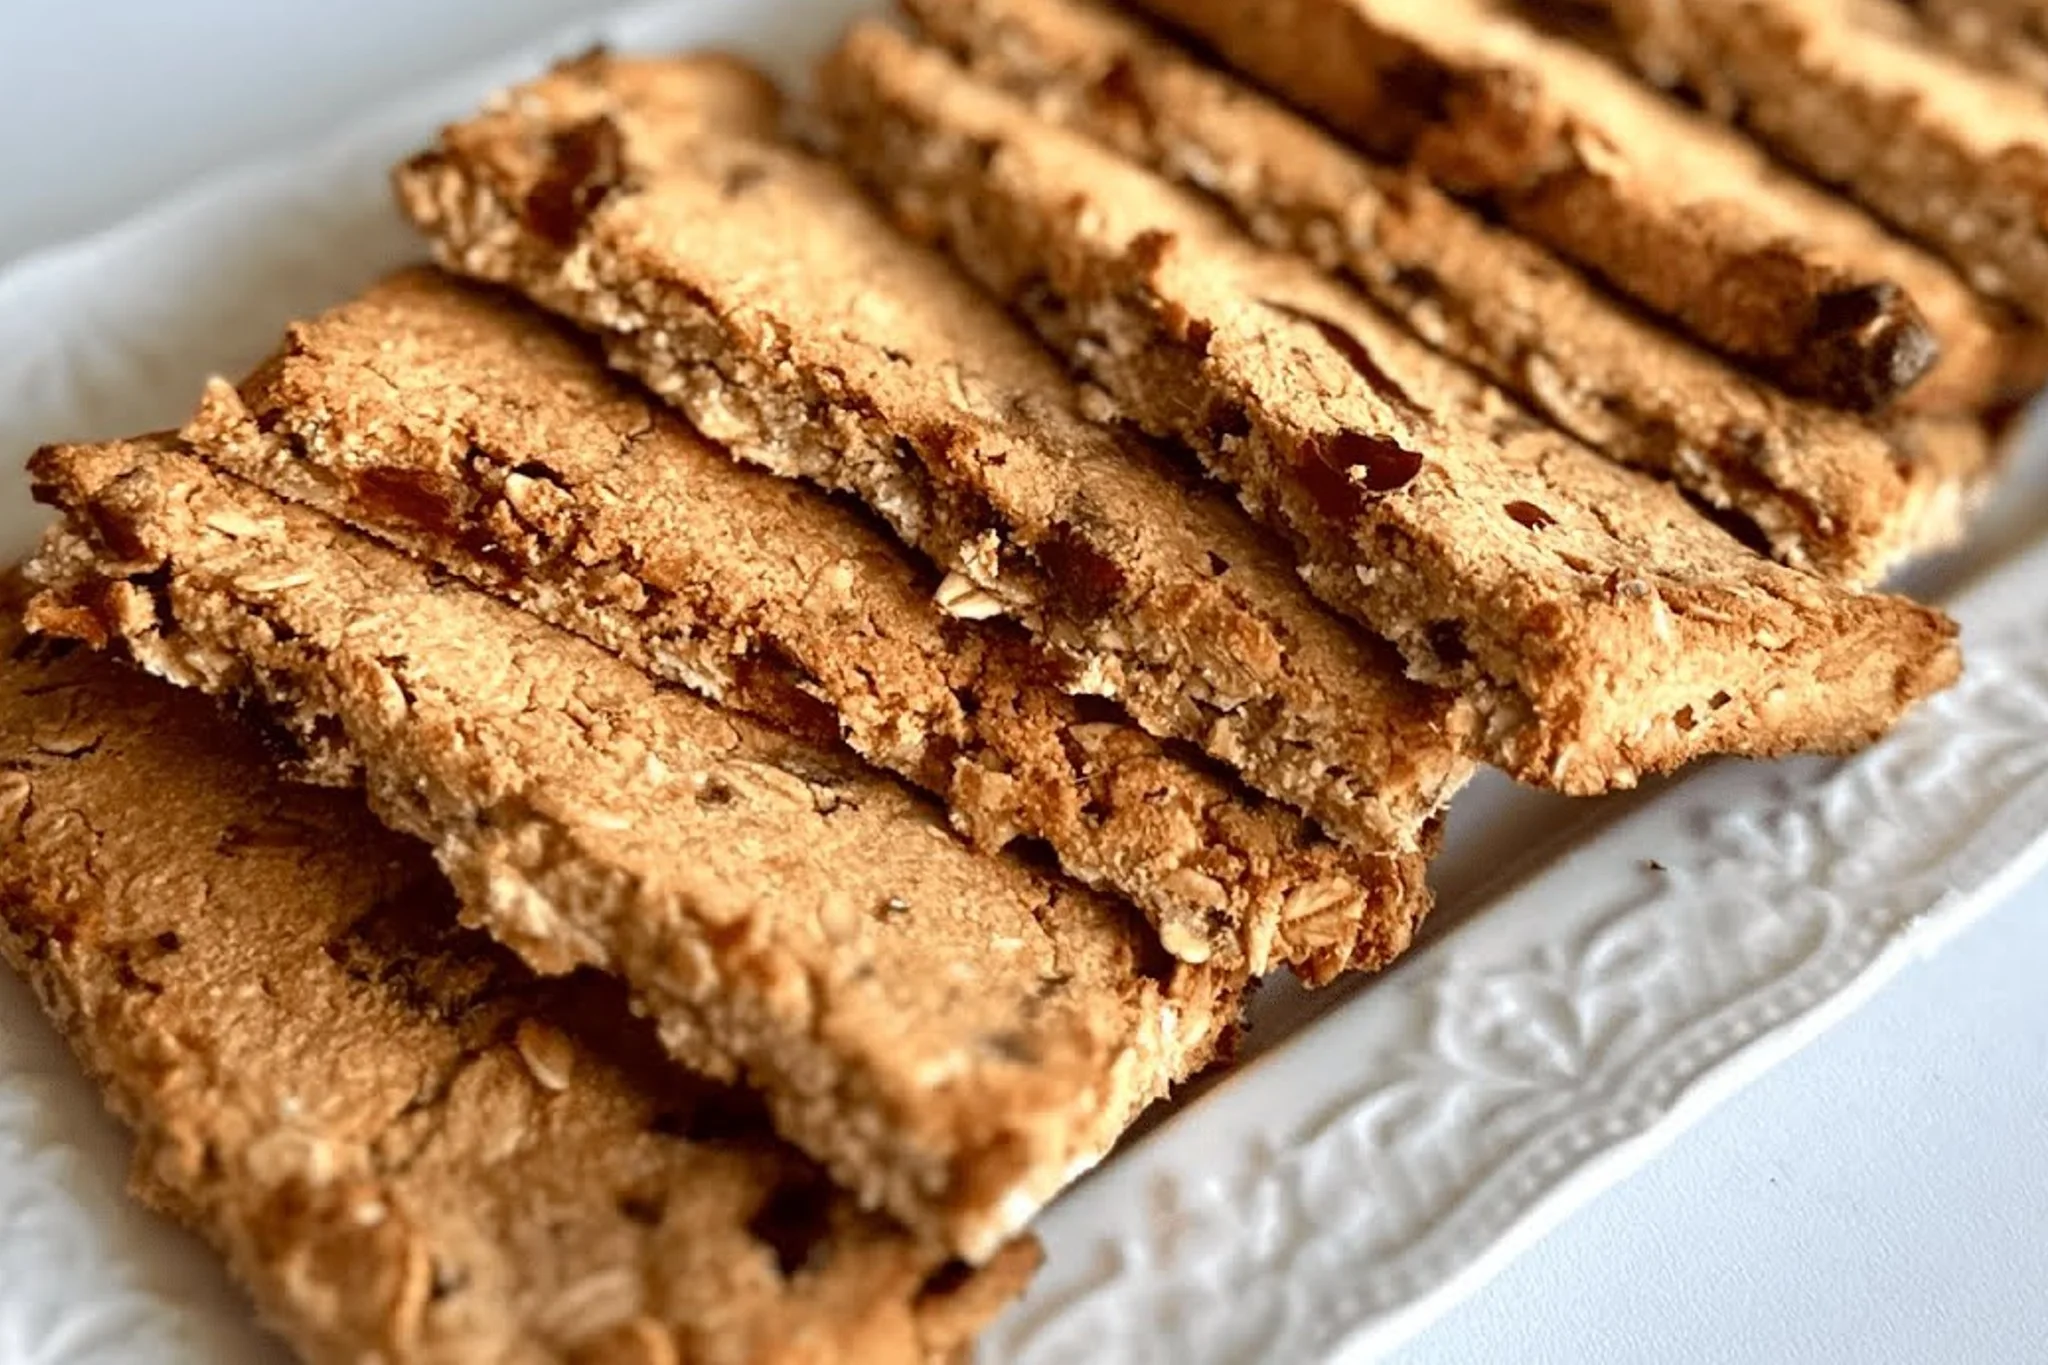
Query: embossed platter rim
1385	1148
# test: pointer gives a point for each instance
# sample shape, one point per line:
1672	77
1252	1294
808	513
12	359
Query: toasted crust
1828	491
1669	208
755	288
407	1146
1952	157
952	1035
476	432
1955	463
2009	36
1604	626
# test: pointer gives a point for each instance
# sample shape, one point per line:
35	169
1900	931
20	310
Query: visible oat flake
547	1053
263	585
643	1341
239	525
959	597
16	791
838	919
591	1307
1196	887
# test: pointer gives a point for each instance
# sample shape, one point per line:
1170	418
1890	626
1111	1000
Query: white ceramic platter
1599	974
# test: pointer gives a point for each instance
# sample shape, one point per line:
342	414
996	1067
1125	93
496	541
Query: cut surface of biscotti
953	1035
1952	157
1673	210
1604	626
756	288
1827	490
479	433
406	1146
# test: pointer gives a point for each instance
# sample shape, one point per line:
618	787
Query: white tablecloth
1883	1197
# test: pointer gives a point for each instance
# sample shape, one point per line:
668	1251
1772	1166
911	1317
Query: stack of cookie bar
865	634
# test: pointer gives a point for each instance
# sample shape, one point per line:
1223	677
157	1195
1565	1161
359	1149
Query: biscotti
1826	490
756	288
1952	157
475	432
407	1147
952	1035
1671	209
1603	625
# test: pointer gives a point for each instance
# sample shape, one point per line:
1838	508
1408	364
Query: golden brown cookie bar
1953	157
1825	489
953	1035
1680	214
474	431
407	1147
754	287
1604	626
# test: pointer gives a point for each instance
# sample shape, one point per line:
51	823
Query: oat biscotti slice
756	288
1827	490
1604	626
407	1147
1952	157
474	431
1678	213
953	1035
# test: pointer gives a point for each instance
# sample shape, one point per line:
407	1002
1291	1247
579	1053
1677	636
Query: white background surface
1881	1197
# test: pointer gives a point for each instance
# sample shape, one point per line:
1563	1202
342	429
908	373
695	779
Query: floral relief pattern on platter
1511	1075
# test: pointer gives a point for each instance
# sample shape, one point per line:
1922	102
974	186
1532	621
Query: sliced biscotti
953	1035
477	432
1671	209
1825	489
1604	626
1953	157
756	288
407	1147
